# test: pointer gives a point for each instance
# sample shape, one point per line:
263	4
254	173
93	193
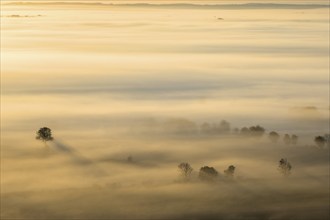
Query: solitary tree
274	136
284	167
44	134
320	141
229	172
208	173
185	170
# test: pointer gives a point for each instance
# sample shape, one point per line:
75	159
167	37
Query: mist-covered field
132	89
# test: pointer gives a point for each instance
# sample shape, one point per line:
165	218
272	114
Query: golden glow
106	78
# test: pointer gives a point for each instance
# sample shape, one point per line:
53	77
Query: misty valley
165	110
170	170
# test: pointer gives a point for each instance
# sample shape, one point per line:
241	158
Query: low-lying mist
201	110
137	176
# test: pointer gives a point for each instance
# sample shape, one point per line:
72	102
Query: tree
180	126
274	136
205	128
185	170
208	173
44	134
287	139
229	172
327	139
224	127
257	130
284	167
235	131
215	129
245	131
294	139
320	141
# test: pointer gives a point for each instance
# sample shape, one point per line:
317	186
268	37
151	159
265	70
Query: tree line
45	134
210	174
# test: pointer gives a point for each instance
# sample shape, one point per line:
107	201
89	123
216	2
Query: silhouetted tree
215	129
284	167
130	159
320	141
208	173
185	170
294	139
287	139
274	136
44	134
257	130
229	172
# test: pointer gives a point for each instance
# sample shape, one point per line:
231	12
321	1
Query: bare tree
229	172
44	134
208	173
284	167
185	170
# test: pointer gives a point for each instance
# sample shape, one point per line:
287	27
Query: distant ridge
185	5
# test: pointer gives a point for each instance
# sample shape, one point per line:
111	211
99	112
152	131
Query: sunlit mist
165	109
